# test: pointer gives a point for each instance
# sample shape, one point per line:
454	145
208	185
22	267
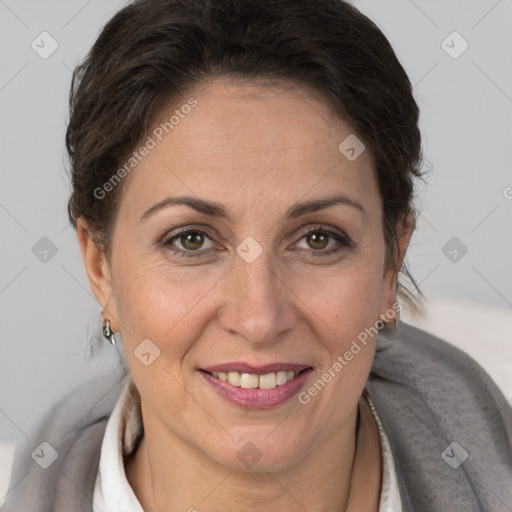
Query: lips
252	386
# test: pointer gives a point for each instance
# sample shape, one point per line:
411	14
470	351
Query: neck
333	477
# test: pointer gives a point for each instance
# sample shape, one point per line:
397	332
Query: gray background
48	311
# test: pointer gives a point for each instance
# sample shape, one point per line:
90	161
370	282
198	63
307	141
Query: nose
258	303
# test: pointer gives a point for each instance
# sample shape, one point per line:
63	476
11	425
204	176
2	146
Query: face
257	283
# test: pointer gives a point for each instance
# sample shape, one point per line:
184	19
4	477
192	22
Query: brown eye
318	240
192	241
323	242
188	242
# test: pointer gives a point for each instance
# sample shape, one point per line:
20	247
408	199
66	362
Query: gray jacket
449	427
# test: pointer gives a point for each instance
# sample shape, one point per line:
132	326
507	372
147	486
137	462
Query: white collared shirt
113	493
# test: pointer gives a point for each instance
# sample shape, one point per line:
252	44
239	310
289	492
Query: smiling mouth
269	380
257	386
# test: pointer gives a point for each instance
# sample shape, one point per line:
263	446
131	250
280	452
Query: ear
98	272
404	230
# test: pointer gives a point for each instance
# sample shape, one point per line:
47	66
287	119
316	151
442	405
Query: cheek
345	312
159	302
343	309
346	297
156	303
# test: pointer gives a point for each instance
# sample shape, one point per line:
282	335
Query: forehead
247	141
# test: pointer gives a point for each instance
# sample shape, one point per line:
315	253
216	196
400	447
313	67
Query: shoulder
436	373
441	410
85	404
416	356
71	433
481	330
441	385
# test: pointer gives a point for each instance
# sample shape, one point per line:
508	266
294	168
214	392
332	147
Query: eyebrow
214	209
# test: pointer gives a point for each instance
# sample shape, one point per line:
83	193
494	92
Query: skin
257	150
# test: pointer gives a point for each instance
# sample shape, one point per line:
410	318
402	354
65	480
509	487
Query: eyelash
343	240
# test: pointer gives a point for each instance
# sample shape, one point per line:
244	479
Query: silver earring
108	333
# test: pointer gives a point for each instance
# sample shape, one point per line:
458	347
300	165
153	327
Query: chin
258	453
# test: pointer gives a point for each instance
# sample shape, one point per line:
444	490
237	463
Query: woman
242	178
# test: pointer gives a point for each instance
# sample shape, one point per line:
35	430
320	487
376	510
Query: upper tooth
248	381
234	378
268	381
253	381
282	378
